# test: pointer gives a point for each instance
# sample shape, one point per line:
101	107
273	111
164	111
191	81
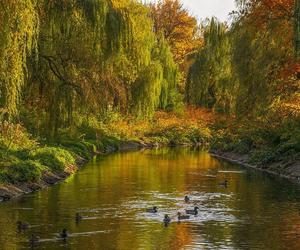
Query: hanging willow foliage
88	55
77	40
147	90
241	70
93	55
210	80
170	72
157	73
18	39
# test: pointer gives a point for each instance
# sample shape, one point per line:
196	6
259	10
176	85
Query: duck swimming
167	220
152	210
224	183
187	199
64	234
182	217
22	225
193	212
33	240
78	217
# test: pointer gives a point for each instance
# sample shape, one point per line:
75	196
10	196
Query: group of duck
180	217
167	219
64	234
34	239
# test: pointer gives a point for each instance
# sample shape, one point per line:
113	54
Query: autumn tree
178	27
252	69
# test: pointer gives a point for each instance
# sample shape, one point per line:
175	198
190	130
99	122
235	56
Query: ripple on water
210	207
232	171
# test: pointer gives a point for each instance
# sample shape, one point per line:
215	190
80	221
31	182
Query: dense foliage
66	59
243	70
81	76
249	72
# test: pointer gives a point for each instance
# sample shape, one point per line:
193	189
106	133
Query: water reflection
255	211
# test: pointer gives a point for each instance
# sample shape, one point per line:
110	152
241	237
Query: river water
255	211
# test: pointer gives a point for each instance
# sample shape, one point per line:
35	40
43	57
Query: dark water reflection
256	211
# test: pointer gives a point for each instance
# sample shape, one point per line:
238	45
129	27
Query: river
255	211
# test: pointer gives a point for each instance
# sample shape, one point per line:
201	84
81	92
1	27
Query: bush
25	171
55	158
264	156
3	177
198	134
79	148
15	137
176	102
177	134
21	154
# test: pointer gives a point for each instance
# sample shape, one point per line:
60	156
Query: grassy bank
28	158
25	158
274	147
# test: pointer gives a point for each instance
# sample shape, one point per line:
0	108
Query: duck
22	225
167	220
78	217
224	183
193	212
64	234
34	239
152	210
187	199
182	217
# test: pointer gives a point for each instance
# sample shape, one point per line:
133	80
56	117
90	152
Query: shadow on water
254	211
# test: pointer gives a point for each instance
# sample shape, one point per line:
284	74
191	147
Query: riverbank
272	147
49	178
29	162
289	170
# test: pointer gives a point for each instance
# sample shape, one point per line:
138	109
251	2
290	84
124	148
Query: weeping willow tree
170	73
241	70
210	82
97	55
77	38
90	56
258	59
146	67
147	89
155	84
18	39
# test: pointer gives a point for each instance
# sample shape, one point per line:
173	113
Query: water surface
256	211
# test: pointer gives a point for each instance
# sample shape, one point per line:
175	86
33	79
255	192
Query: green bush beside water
23	159
57	159
263	145
15	167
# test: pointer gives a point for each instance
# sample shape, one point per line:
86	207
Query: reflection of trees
265	207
